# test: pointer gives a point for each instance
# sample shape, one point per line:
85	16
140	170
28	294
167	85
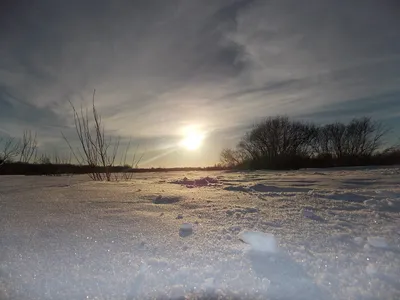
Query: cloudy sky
162	66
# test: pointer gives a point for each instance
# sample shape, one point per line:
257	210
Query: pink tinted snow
205	181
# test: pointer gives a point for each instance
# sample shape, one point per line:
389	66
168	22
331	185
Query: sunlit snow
308	234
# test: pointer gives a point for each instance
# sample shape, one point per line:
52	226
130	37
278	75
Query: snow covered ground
310	234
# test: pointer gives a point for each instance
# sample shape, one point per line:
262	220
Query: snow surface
323	234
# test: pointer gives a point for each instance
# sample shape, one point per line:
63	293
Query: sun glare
192	140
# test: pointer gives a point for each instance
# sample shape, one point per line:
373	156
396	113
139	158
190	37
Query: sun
192	140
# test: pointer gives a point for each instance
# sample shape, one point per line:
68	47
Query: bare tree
364	137
10	148
277	136
97	150
359	138
278	142
320	142
274	141
337	136
28	146
249	148
231	157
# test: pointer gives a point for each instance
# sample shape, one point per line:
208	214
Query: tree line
281	143
275	143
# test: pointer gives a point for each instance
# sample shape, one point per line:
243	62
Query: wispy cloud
161	65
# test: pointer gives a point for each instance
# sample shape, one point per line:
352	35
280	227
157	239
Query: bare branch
28	146
10	148
97	150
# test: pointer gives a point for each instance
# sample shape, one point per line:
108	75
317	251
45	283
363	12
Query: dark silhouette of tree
278	142
232	157
10	148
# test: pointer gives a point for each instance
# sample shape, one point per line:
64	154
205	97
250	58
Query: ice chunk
235	228
185	229
205	181
373	203
259	241
229	212
377	242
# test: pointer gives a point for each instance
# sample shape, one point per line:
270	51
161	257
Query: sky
160	67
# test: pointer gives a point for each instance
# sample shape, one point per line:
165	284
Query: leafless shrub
55	159
58	159
28	146
360	137
126	174
97	150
